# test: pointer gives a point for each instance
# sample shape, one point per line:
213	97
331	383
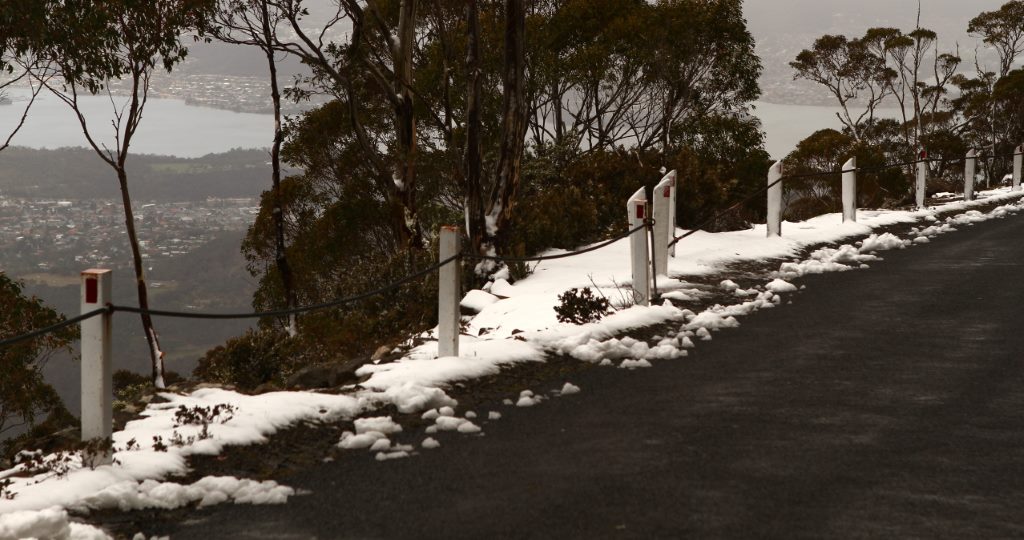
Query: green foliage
24	394
129	386
828	150
249	360
100	40
220	413
617	90
580	306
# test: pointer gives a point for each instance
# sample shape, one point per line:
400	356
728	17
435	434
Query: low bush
580	306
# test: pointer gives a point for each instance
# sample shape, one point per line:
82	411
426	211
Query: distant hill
75	173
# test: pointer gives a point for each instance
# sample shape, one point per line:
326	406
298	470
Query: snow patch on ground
49	523
211	490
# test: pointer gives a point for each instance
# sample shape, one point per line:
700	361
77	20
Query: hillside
77	173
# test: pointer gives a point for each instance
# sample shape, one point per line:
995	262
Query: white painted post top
669	180
973	154
1019	150
850	165
637	207
91	293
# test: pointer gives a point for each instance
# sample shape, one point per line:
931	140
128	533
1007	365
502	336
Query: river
168	127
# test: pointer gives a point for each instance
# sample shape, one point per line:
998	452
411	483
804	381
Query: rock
381	352
325	375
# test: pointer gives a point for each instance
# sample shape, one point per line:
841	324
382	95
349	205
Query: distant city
229	92
38	235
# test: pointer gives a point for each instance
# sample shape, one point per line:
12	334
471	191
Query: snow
515	324
779	286
468	427
569	389
385	456
476	300
351	441
383	424
49	523
430	443
208	491
453	423
527	401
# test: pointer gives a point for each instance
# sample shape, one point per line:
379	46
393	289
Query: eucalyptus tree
511	146
379	50
93	43
254	23
22	25
851	73
1003	31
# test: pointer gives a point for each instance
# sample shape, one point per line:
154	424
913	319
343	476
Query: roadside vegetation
527	122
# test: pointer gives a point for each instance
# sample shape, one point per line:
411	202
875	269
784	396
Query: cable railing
462	255
822	174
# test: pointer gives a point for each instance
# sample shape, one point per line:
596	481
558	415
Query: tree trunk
410	232
472	162
556	93
280	259
513	126
155	353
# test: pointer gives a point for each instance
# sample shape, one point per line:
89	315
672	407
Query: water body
786	125
169	126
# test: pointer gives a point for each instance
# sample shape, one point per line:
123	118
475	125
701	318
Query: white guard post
672	214
1018	165
970	166
850	190
775	200
664	221
922	178
449	293
637	209
97	365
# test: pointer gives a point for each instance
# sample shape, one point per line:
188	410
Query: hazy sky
854	16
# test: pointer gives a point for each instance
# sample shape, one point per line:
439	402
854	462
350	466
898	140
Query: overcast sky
818	17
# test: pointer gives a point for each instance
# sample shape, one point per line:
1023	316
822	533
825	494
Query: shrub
24	393
249	360
580	306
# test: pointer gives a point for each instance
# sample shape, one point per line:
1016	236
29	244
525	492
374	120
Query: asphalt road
886	402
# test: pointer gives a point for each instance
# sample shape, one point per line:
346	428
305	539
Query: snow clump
569	389
779	286
527	399
430	443
48	523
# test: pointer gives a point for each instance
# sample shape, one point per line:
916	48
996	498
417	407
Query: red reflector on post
667	192
640	211
91	290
